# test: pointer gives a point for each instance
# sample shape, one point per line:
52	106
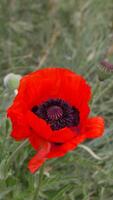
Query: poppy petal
39	126
43	130
61	150
20	132
31	93
39	158
76	85
94	127
62	135
35	141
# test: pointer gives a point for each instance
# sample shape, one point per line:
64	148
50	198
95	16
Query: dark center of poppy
57	113
54	112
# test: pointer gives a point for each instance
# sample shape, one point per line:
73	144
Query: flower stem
22	145
97	86
41	173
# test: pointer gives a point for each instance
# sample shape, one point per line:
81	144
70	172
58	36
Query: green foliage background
69	33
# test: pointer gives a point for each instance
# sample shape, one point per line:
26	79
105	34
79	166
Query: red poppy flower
51	110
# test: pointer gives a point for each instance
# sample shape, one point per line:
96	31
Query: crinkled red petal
63	135
39	126
39	158
61	150
43	130
20	129
54	83
35	141
94	127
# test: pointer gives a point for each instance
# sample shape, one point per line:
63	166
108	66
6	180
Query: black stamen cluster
68	118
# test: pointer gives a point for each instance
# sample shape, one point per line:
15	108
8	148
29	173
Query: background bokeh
76	34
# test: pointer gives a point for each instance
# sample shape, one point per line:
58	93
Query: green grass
76	34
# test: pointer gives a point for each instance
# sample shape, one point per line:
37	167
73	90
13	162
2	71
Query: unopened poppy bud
11	81
105	70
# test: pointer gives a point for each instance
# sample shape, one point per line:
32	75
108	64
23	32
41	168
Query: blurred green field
76	34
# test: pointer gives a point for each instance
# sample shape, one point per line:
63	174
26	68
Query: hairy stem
41	173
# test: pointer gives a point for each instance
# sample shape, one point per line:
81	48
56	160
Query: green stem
95	92
104	91
17	150
41	173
